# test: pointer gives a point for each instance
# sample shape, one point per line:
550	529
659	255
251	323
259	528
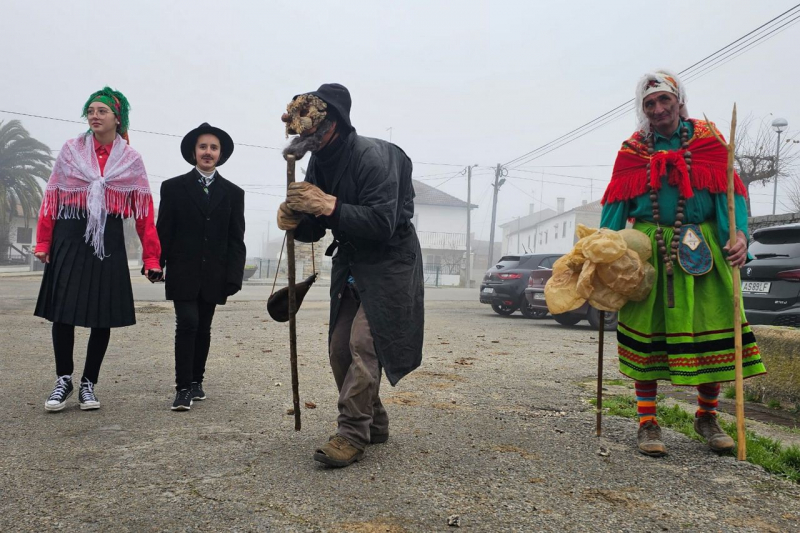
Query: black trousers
64	342
192	340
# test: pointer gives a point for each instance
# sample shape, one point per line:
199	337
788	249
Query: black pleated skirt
78	287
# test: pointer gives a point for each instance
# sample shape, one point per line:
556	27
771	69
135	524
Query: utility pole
498	182
469	217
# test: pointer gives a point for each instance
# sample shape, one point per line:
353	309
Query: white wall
440	218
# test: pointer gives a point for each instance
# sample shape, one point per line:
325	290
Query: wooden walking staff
290	160
600	372
741	444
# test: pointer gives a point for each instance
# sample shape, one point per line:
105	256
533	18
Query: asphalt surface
495	427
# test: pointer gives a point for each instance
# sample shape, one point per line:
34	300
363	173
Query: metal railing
439	240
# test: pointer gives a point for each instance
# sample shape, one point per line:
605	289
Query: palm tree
23	161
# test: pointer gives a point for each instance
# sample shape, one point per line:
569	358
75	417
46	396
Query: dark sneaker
649	438
62	391
86	396
707	426
338	452
378	438
197	391
183	400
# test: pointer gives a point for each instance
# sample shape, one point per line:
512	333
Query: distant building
549	231
21	238
441	223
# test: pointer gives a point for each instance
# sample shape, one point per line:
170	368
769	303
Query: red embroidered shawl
709	167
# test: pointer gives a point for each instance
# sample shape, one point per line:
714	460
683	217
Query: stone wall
780	350
767	221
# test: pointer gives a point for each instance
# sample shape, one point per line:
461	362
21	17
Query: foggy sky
457	82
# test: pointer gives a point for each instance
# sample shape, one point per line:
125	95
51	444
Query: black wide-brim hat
190	141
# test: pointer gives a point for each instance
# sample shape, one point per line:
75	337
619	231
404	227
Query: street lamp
780	125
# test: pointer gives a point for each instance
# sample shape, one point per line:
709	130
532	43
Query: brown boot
707	426
649	438
338	452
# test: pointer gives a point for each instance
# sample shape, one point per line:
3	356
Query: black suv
504	284
771	282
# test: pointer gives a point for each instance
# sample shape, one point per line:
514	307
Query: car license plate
488	290
756	286
538	296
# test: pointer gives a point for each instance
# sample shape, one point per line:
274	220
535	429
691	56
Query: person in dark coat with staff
360	188
201	227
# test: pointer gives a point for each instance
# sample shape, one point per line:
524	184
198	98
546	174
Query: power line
181	136
620	110
734	54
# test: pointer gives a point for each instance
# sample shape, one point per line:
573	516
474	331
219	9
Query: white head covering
661	80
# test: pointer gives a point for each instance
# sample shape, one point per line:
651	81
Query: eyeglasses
101	112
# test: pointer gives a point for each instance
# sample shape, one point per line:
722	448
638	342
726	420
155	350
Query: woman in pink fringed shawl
97	181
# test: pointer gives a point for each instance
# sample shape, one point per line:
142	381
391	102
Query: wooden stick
741	445
600	373
290	160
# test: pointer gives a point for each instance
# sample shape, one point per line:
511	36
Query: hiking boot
197	391
707	426
86	396
649	437
338	452
378	438
183	400
62	391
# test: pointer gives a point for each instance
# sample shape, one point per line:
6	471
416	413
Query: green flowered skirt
692	343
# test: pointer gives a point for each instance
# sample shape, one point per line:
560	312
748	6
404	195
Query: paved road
27	288
495	427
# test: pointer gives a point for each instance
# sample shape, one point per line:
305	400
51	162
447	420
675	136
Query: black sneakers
86	396
197	391
62	391
183	400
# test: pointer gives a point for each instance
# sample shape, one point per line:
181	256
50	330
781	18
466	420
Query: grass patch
763	451
618	382
729	393
774	404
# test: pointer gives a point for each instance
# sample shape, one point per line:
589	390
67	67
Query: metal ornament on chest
670	258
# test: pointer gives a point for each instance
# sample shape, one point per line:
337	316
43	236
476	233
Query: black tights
63	342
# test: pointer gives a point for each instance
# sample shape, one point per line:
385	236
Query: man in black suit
201	228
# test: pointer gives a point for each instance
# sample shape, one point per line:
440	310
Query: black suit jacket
202	239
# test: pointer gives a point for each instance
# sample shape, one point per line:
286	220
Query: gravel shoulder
495	427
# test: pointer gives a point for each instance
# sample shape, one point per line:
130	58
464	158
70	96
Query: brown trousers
357	372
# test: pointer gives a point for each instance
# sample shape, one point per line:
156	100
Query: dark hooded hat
190	141
337	97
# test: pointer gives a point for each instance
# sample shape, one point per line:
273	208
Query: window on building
545	237
564	234
24	235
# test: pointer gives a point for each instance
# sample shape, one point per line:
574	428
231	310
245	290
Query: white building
549	231
441	223
21	241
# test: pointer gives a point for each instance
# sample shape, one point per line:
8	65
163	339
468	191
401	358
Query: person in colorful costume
97	181
670	178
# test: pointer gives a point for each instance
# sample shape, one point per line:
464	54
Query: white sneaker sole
55	407
88	406
182	407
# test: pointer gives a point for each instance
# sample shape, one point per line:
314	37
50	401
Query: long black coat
377	244
202	239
